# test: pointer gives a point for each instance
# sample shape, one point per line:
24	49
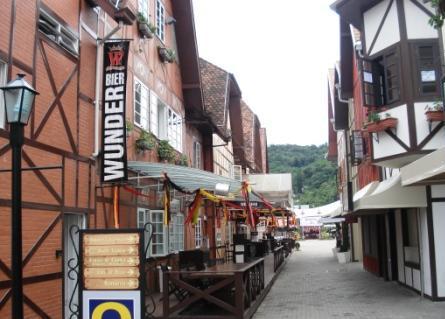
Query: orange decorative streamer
116	206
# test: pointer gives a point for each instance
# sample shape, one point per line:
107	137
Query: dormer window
381	80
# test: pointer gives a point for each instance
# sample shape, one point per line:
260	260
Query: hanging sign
112	277
114	146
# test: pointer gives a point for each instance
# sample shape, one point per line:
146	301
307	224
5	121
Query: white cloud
279	52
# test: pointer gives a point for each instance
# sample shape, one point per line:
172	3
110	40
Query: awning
276	188
429	169
330	220
186	177
389	194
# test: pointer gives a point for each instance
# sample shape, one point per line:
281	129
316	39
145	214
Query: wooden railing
278	257
232	288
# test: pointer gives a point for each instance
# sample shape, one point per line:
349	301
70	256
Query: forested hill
313	177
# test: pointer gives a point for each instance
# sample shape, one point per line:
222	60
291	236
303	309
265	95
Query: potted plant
146	29
129	127
166	55
145	142
377	123
182	160
435	113
165	151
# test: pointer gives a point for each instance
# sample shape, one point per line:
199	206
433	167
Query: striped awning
188	178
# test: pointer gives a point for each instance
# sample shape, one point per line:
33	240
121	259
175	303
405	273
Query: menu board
111	261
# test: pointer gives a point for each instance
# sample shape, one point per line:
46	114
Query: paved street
313	285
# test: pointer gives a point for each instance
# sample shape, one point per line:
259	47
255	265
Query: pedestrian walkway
313	285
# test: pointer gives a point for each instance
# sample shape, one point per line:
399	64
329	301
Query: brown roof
215	87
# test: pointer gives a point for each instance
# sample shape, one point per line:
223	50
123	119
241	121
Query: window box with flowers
146	29
434	113
377	123
166	152
145	142
166	55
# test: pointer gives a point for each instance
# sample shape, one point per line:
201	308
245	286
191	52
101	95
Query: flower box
344	257
381	125
434	116
166	55
144	30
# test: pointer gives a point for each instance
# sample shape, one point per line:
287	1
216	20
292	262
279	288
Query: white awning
429	169
389	194
186	177
276	188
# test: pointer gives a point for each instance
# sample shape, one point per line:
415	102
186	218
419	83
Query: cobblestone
313	285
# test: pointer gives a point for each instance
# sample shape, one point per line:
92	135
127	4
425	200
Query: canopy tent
188	178
330	220
429	169
276	188
389	194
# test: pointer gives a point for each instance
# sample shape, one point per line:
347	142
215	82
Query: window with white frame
143	8
144	218
197	155
154	114
3	75
160	20
176	233
141	104
198	233
174	130
159	233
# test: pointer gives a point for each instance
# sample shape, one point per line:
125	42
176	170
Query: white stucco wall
417	25
386	145
399	242
439	241
389	34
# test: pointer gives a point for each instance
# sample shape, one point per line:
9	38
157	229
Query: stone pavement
313	285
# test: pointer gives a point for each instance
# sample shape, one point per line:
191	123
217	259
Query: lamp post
19	98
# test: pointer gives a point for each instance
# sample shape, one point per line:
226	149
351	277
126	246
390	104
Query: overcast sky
279	52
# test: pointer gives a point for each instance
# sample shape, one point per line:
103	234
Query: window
141	100
3	75
58	33
160	20
154	120
198	233
159	233
380	80
174	130
143	218
143	8
197	155
357	147
176	233
428	69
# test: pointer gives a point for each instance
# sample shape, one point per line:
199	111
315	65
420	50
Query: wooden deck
221	291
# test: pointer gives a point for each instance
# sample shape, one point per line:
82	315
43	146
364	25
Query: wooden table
231	287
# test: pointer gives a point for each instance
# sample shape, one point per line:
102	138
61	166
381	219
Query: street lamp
19	97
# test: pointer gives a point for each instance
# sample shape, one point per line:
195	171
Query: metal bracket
149	309
73	274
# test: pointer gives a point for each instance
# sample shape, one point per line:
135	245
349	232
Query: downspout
99	50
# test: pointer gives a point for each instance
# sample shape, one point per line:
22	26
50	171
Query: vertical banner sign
114	146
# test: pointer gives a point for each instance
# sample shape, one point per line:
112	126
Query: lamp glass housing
19	98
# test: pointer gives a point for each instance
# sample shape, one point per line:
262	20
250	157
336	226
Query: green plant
437	106
166	151
129	126
437	19
141	18
182	160
145	142
167	55
373	117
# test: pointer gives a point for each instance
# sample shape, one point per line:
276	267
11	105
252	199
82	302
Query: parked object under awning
188	178
429	169
389	194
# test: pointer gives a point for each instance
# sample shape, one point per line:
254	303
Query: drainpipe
420	241
99	53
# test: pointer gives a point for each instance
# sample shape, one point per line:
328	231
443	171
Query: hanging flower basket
145	30
381	125
166	55
434	116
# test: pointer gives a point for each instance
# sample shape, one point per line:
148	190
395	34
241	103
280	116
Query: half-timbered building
388	81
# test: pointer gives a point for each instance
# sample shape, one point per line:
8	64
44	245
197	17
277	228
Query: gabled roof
219	87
